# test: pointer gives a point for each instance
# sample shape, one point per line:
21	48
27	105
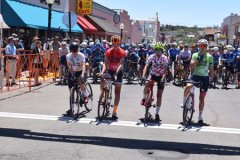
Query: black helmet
74	47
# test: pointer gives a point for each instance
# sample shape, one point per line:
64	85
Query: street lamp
50	3
121	28
234	39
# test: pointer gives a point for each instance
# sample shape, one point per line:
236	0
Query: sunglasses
202	46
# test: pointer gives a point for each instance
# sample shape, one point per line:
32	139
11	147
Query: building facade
228	28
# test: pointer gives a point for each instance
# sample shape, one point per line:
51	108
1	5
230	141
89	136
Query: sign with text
84	7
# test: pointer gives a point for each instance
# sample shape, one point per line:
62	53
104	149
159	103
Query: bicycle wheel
102	105
75	101
89	105
148	104
188	110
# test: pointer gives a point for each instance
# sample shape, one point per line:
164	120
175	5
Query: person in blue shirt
142	53
96	58
86	51
172	55
11	62
237	64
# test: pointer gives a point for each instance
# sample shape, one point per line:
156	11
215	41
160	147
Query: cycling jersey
185	55
202	67
173	52
97	54
158	64
133	57
229	57
85	51
216	57
114	58
143	55
76	61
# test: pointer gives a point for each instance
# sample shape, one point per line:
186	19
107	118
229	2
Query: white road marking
121	123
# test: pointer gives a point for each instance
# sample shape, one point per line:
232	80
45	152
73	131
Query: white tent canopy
2	23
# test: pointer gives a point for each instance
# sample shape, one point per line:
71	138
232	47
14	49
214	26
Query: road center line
120	123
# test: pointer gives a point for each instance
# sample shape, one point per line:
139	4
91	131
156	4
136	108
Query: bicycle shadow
150	122
69	118
105	120
193	125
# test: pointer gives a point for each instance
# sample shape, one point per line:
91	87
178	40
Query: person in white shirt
76	65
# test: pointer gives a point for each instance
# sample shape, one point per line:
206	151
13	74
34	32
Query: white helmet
238	49
91	44
229	47
104	41
203	41
174	44
215	48
152	45
84	44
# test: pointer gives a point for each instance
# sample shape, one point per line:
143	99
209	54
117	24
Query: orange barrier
28	70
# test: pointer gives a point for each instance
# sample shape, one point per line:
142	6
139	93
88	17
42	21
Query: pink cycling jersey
158	64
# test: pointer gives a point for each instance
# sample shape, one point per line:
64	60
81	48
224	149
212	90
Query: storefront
29	21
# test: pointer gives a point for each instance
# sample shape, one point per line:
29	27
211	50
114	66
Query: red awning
85	25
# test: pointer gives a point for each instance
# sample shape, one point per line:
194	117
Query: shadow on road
186	148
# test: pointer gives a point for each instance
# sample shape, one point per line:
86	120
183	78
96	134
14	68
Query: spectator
33	44
47	51
11	61
37	61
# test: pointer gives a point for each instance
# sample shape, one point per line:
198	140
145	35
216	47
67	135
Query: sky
203	13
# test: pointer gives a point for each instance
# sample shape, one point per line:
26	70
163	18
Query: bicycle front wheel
75	101
102	106
188	110
89	105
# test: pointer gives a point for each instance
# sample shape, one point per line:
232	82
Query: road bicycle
188	106
133	73
77	97
105	98
148	101
226	74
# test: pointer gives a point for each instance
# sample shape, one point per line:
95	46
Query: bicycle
148	102
106	96
226	74
188	106
77	97
133	72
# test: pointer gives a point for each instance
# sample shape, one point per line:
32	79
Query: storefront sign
84	7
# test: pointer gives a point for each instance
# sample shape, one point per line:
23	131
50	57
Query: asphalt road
32	126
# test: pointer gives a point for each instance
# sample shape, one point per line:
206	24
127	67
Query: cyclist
237	62
227	60
86	51
201	63
76	65
97	55
142	53
62	51
159	65
216	56
185	56
114	60
172	55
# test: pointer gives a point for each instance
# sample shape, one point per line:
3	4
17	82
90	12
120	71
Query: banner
84	7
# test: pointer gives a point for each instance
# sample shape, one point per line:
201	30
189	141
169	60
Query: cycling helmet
152	45
140	45
115	39
85	40
63	43
202	41
174	44
97	40
238	49
98	43
159	47
134	45
74	47
215	48
127	45
84	44
91	44
104	41
122	46
229	47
